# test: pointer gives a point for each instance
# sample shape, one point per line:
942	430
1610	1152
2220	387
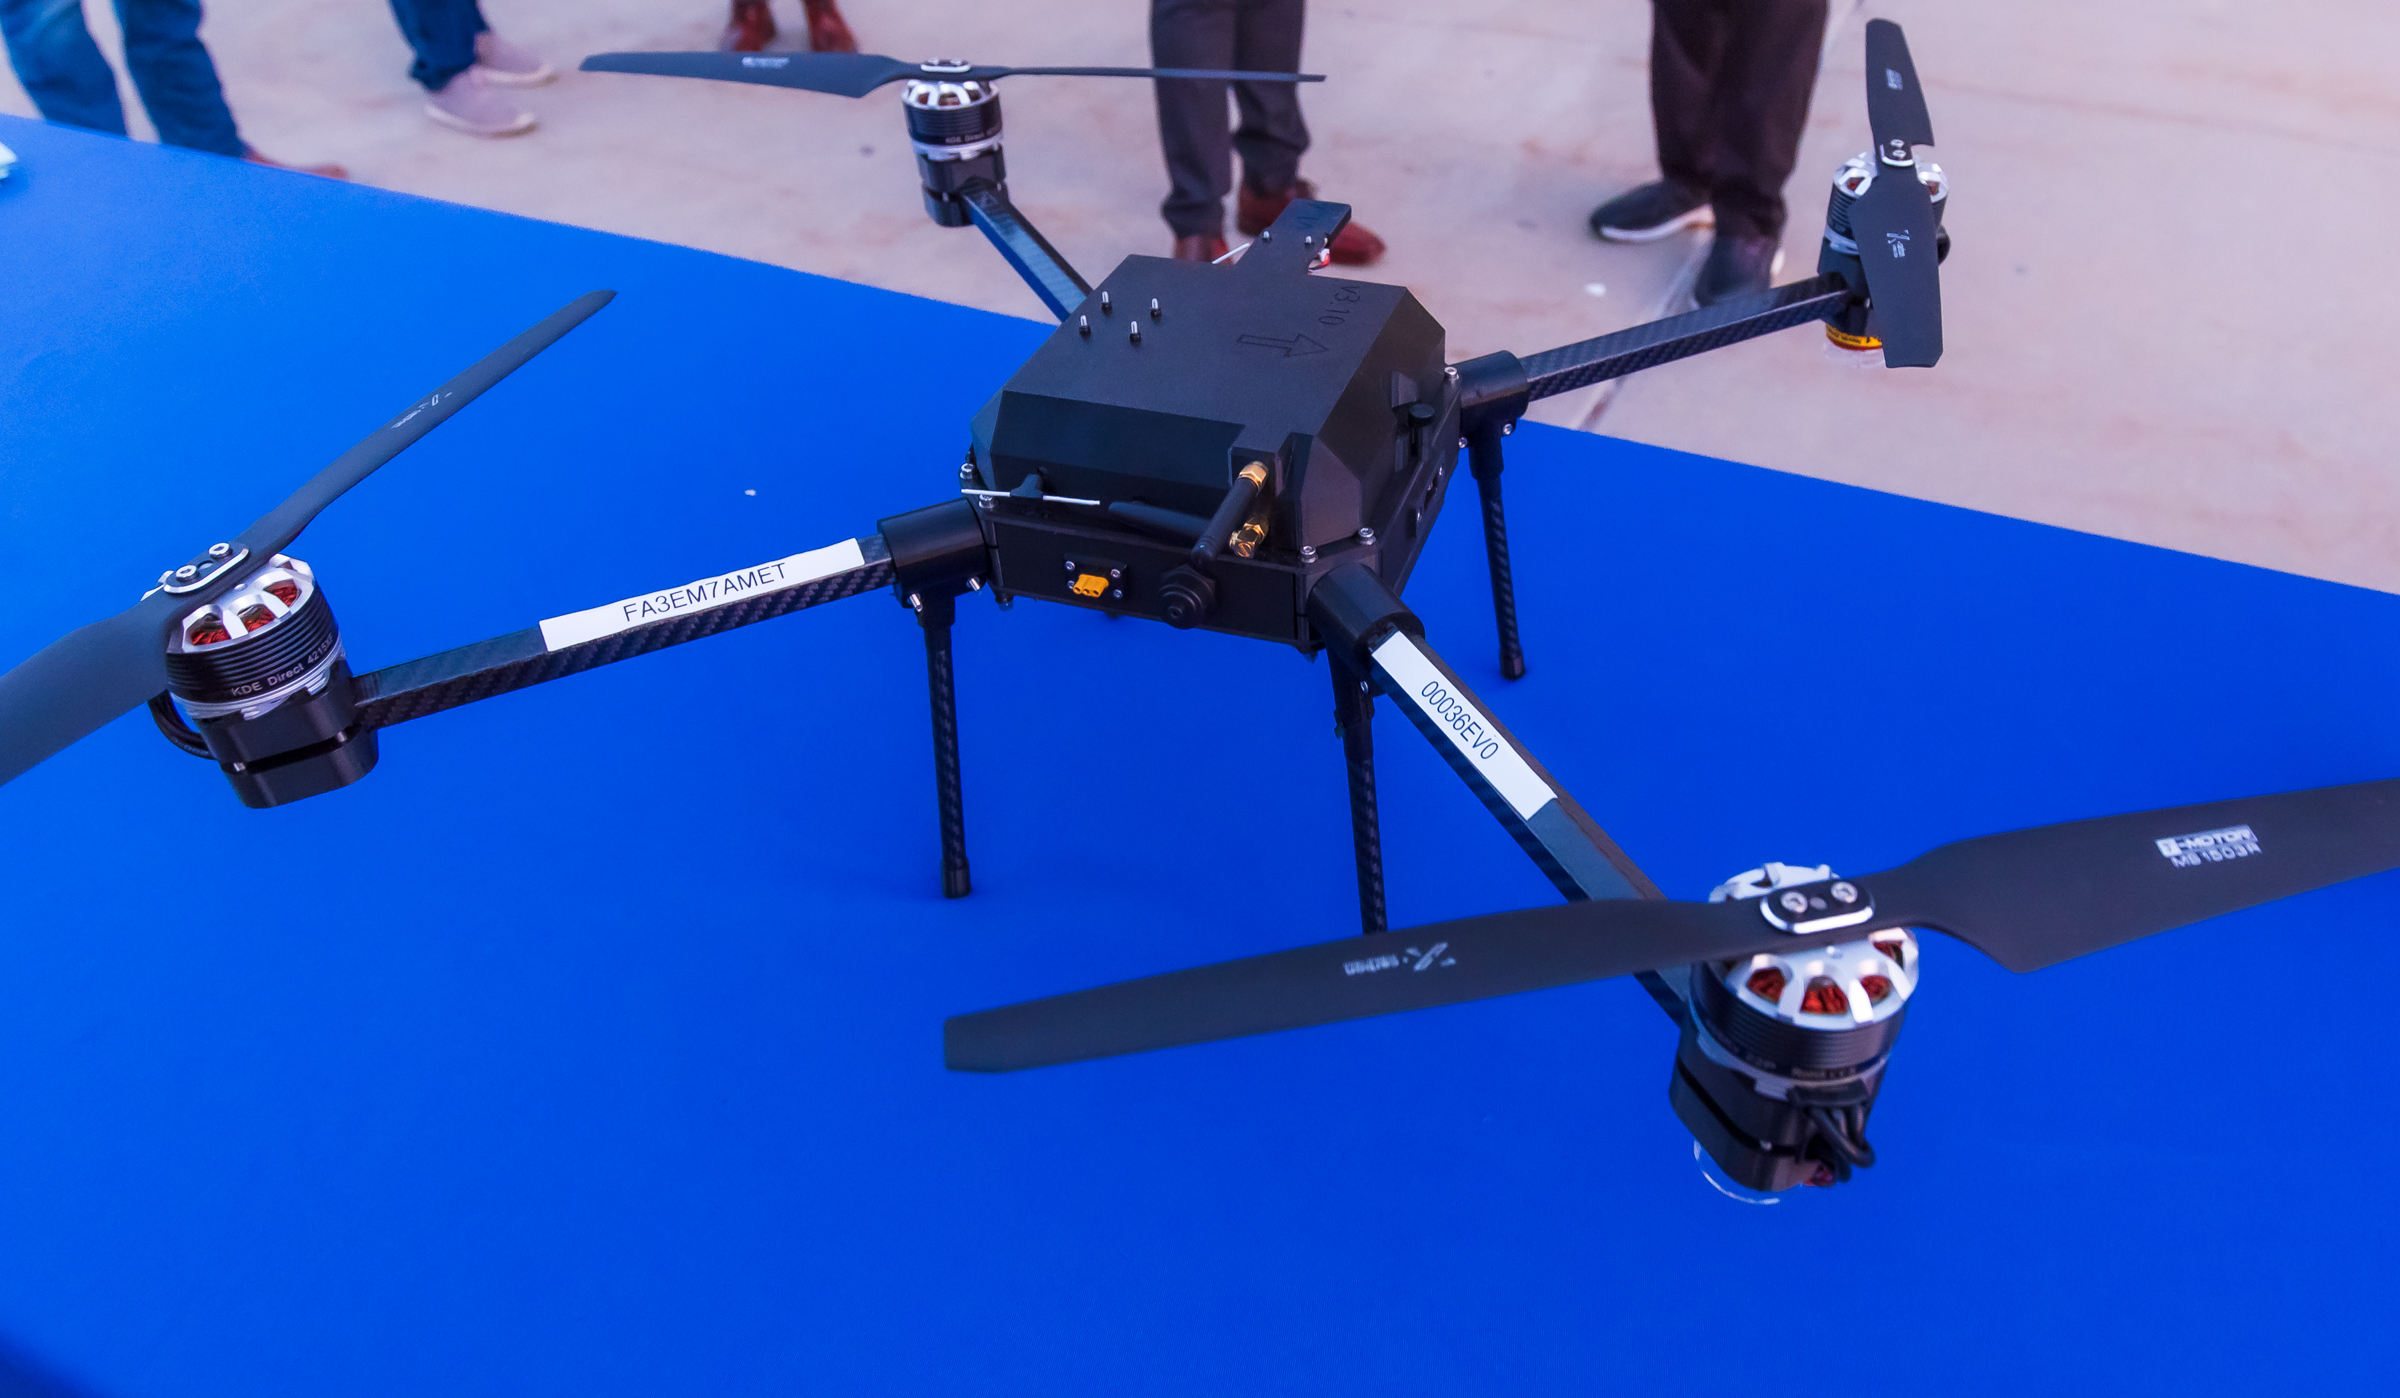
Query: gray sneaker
468	103
503	64
1650	212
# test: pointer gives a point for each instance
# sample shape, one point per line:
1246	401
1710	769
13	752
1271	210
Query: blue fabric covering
591	1045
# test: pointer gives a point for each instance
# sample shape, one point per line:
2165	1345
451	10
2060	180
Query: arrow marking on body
1298	344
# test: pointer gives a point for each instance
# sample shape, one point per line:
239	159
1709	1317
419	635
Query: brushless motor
1779	1067
954	126
262	675
1839	252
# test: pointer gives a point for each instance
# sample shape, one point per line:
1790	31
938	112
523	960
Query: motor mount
1784	1052
954	126
261	674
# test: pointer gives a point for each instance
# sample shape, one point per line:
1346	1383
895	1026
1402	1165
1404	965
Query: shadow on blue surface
22	1377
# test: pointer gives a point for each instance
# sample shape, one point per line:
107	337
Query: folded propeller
1893	220
2028	899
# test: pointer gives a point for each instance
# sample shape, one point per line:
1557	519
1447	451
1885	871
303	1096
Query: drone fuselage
1101	462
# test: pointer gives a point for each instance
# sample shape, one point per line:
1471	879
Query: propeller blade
282	524
84	679
2028	899
1893	221
842	74
1442	964
1893	225
857	74
2033	898
1237	75
1895	104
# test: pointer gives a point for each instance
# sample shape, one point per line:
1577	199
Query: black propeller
857	74
90	676
1893	221
2027	899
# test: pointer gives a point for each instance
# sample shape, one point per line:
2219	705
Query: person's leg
442	32
59	65
1191	114
1686	37
749	29
1765	72
1271	136
172	71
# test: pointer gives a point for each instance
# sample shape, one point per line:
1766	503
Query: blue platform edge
591	1045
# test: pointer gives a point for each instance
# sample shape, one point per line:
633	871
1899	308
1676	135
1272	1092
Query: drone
1250	448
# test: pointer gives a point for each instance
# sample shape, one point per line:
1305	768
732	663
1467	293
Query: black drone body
1109	454
1256	449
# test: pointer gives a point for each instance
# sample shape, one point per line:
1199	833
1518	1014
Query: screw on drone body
1105	308
915	603
1133	331
1462	444
1070	565
1267	236
1083	326
187	572
1451	372
1115	573
1507	427
974	584
1116	592
1154	312
1366	535
219	550
1308	553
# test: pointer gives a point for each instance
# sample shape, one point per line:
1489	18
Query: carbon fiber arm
572	644
1061	288
1728	322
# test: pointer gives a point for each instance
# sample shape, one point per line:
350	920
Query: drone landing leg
938	555
935	615
1483	458
1353	718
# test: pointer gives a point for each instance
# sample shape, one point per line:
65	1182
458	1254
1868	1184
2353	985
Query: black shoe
1651	212
1736	266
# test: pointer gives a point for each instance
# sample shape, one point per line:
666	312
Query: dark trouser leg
60	66
1191	114
1353	719
1729	88
1271	135
443	34
173	72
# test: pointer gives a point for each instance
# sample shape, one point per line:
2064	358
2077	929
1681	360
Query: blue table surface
591	1045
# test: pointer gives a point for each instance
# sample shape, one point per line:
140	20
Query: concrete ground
2166	317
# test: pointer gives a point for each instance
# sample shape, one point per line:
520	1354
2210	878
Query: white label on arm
1414	680
574	629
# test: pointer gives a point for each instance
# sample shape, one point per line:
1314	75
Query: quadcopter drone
1249	448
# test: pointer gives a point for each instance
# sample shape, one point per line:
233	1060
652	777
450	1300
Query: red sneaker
750	29
827	31
1354	246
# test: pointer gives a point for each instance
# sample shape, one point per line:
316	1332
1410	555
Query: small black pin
1105	309
1083	326
1154	308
